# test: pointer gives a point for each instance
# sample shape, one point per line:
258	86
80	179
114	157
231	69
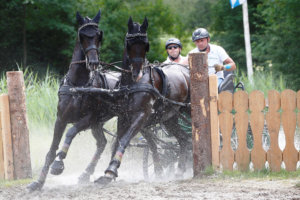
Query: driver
218	59
173	48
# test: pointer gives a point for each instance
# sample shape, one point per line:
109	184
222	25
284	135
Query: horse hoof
84	178
104	180
57	167
36	185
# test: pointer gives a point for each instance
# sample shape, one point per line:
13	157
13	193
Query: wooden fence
238	111
228	114
15	160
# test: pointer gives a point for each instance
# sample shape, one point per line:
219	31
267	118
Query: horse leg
173	127
148	135
97	131
58	166
127	129
59	128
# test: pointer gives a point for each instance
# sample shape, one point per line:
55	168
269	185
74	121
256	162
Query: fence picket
288	106
2	176
298	117
214	121
256	105
226	124
6	137
274	154
242	154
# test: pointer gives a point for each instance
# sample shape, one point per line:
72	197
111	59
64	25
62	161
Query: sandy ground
130	183
205	188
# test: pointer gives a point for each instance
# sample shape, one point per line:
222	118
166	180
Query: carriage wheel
146	151
148	166
168	164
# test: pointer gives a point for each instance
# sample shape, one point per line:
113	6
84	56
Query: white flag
235	3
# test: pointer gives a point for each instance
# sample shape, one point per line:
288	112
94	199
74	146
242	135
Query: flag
235	3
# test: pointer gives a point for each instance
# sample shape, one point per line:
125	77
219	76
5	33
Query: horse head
136	45
89	37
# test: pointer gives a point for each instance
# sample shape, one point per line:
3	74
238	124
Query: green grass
263	174
19	182
41	97
263	81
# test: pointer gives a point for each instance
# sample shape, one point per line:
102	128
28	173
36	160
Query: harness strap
127	90
90	48
164	80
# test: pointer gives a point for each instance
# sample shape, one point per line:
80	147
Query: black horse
141	105
81	110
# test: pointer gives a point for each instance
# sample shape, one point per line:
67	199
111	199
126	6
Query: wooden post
19	128
200	112
6	138
214	120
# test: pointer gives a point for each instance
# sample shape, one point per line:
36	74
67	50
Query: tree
282	35
115	15
36	32
43	33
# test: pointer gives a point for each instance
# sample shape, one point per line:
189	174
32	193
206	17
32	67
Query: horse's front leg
127	129
97	131
59	128
58	166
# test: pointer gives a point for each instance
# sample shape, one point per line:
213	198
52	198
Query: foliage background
40	34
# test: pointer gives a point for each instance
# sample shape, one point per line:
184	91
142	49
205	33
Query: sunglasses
170	47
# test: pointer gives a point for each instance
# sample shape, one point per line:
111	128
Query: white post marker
247	41
235	3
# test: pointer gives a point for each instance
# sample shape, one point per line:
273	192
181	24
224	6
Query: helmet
200	33
173	41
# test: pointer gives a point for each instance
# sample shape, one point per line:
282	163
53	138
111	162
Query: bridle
86	50
139	37
91	47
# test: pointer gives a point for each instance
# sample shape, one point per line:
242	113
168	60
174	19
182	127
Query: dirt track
130	184
185	189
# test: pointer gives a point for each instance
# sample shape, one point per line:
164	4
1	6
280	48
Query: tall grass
41	93
263	81
41	97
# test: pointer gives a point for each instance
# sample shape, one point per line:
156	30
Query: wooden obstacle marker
15	160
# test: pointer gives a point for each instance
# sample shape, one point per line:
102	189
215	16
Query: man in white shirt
218	59
173	47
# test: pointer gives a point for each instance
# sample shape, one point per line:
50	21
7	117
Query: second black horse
144	104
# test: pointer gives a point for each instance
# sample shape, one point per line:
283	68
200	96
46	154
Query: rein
77	62
111	65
